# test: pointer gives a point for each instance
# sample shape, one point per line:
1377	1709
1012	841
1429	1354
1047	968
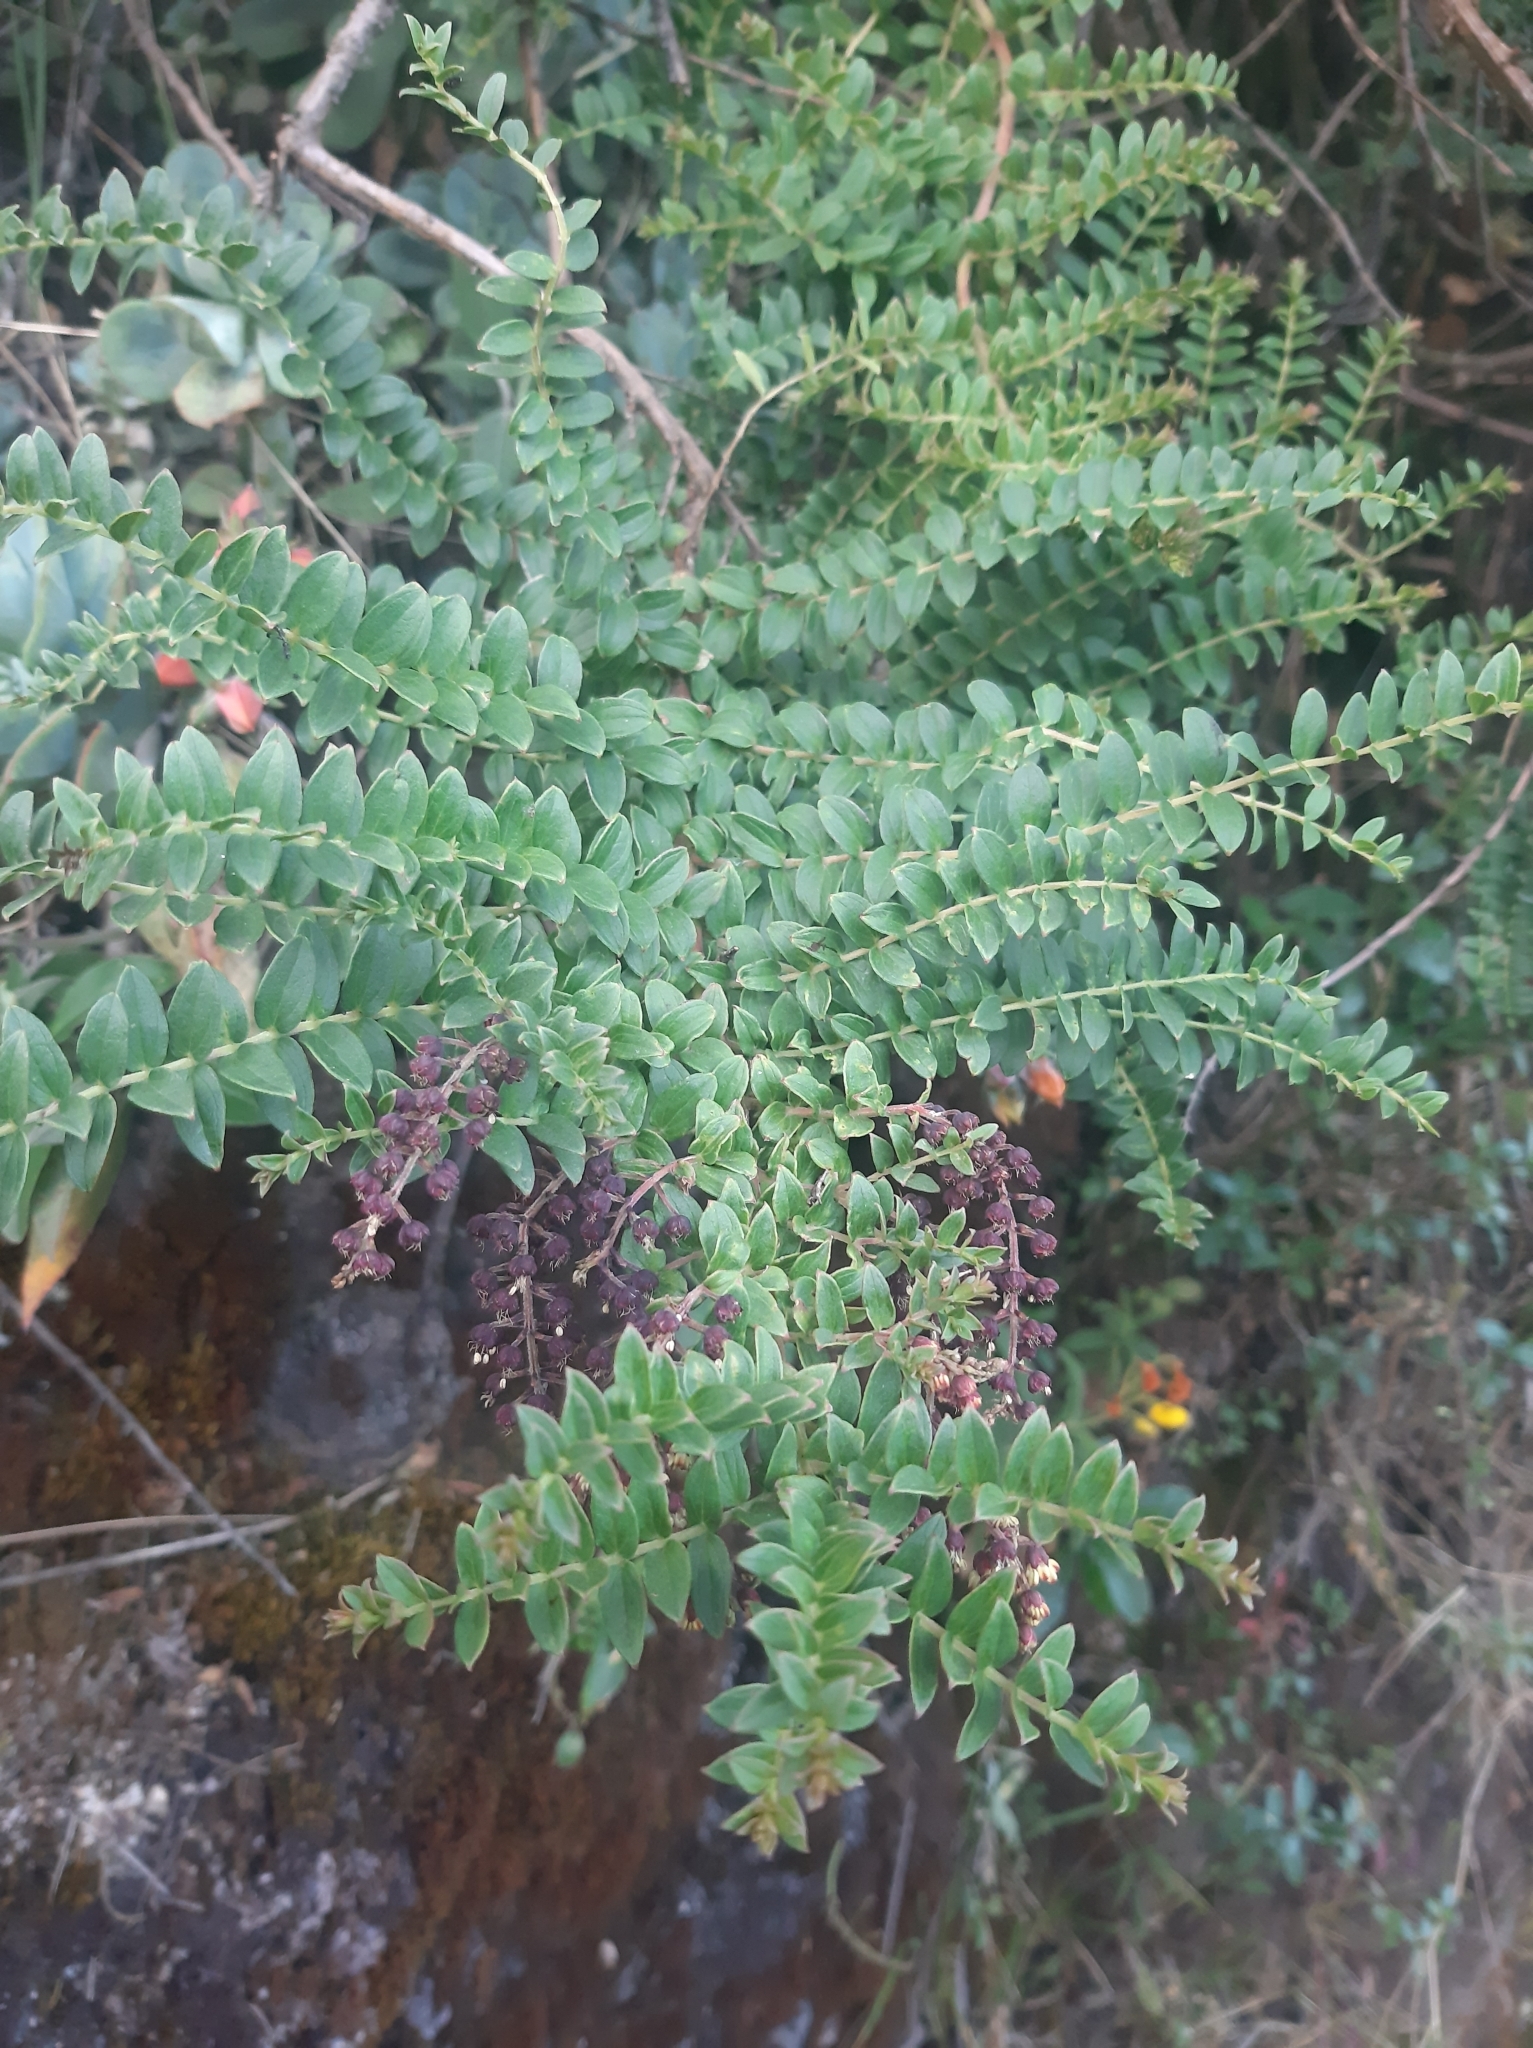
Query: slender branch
141	27
1444	408
1422	105
151	1553
897	1881
1264	36
298	143
343	58
115	1525
670	46
699	501
1337	225
1005	129
1195	1100
1459	21
320	518
1433	897
58	1349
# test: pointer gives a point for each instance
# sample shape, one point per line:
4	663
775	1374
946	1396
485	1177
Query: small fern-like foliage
917	745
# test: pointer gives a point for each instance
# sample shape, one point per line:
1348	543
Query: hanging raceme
683	847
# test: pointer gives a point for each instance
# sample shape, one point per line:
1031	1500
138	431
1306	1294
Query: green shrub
682	849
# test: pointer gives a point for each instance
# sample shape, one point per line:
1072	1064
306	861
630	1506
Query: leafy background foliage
1000	703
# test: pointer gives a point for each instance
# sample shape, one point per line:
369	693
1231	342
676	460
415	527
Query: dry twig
670	46
1005	129
1446	409
1337	225
141	27
58	1349
1421	104
299	144
1264	36
1433	897
1459	21
151	1553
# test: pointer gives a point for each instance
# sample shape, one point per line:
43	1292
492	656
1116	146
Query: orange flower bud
173	672
1046	1082
238	704
1179	1386
1149	1377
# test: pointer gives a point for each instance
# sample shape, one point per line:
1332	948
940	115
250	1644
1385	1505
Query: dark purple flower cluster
999	1197
455	1091
563	1273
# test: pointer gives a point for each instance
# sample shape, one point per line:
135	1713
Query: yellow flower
1142	1427
1169	1415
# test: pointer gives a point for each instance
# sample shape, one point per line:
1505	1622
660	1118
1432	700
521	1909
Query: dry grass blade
150	1553
57	1348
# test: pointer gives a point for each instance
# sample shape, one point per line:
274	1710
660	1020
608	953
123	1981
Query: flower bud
727	1310
412	1234
714	1341
475	1131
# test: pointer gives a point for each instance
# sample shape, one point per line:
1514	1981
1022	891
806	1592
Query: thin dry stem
1446	409
1005	130
99	1389
141	28
1459	21
670	46
1433	897
1421	105
299	145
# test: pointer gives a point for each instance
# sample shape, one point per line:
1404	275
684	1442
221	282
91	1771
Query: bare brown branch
1337	225
342	60
1445	887
1445	409
670	46
1005	129
1422	106
1459	21
141	28
300	146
